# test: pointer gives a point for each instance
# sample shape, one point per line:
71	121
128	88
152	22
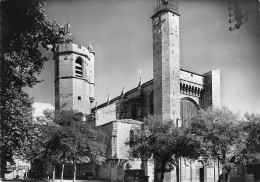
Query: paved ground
57	180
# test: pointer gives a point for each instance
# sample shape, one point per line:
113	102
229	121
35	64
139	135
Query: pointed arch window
79	67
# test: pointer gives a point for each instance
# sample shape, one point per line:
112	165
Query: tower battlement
166	6
74	48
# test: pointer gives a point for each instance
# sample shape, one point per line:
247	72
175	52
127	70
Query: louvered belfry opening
79	67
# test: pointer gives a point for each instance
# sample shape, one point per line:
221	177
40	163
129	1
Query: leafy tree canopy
163	142
25	28
66	137
81	140
226	136
251	127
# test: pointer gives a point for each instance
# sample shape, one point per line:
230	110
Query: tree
251	128
224	135
164	143
42	147
68	139
25	29
82	141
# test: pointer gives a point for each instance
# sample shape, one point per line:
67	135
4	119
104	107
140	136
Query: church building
173	94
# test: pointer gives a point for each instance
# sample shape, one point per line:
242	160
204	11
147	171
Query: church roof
140	85
125	94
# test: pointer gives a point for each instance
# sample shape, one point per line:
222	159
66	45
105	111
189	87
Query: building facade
173	94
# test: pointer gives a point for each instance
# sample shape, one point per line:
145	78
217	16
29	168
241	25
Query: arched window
151	103
79	67
131	138
189	108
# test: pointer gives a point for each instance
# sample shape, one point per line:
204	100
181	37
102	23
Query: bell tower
74	78
166	60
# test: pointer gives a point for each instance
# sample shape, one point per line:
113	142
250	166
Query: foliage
67	139
251	127
163	142
81	140
225	136
27	28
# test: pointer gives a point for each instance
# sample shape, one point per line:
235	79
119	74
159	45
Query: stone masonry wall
117	157
191	77
80	96
166	55
110	132
91	64
106	114
211	97
147	91
72	92
122	106
123	132
65	95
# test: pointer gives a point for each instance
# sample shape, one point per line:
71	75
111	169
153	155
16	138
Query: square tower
74	78
166	60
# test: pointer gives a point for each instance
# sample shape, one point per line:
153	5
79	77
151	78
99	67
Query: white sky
121	35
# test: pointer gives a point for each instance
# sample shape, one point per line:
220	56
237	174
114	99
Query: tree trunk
62	171
162	171
227	176
53	171
156	171
243	173
224	168
177	170
74	171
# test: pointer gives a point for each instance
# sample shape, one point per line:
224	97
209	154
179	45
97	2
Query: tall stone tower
166	60
74	78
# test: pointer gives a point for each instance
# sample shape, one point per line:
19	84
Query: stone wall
65	95
211	96
123	133
118	133
121	107
72	92
80	96
191	77
106	114
166	65
70	47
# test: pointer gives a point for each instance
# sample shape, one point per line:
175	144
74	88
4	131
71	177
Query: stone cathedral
173	94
